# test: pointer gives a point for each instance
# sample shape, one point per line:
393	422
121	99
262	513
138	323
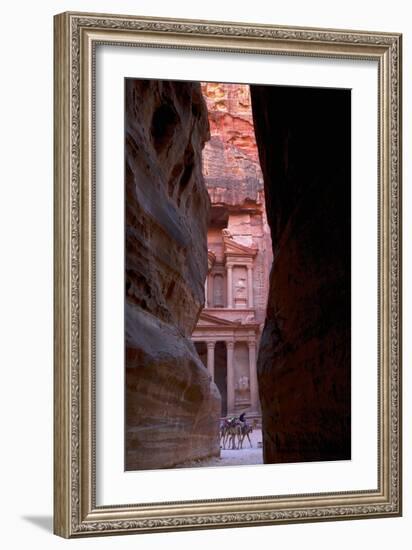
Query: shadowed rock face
172	408
303	138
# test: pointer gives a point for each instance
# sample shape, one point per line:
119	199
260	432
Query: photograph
237	274
227	263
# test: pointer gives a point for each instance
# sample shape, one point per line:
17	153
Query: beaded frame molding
75	38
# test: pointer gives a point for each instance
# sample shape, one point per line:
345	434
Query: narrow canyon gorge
237	283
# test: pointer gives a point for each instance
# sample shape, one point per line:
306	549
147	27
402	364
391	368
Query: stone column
206	291
229	287
211	359
250	285
254	389
230	378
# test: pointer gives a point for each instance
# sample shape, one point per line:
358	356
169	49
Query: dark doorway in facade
221	373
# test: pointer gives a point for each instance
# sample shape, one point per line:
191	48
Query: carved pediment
234	248
205	320
208	320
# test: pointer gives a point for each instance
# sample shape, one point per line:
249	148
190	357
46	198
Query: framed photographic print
227	274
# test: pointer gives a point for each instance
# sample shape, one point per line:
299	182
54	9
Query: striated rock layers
303	137
234	181
230	159
172	408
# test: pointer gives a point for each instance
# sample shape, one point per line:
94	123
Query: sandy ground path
234	457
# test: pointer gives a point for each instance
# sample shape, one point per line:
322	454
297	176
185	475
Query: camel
233	432
228	431
246	429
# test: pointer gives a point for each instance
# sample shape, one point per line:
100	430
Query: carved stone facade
239	251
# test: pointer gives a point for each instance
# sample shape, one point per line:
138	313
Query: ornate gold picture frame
77	511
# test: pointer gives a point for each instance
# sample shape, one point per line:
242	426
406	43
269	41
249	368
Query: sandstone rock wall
230	160
234	181
304	358
172	408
